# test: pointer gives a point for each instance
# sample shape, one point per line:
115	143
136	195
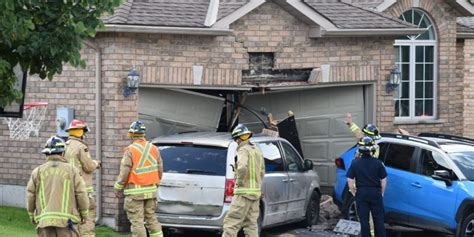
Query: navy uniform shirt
367	171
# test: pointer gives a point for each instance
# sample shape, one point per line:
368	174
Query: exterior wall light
133	81
395	77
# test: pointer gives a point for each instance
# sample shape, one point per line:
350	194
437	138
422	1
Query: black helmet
137	127
367	145
371	131
54	145
240	130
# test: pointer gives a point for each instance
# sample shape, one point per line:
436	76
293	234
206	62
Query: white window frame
412	43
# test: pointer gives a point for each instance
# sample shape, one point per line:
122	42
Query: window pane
272	156
397	50
405	90
419	72
428	108
402	108
429	90
429	52
293	160
419	53
431	161
419	107
405	54
417	17
399	156
429	72
419	90
199	160
408	16
405	72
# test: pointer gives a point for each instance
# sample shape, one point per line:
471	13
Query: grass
15	222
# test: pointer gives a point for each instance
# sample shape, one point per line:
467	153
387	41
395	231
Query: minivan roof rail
411	138
447	136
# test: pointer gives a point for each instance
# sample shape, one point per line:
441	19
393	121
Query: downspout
98	123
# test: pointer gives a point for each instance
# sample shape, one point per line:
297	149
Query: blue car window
431	161
399	156
272	156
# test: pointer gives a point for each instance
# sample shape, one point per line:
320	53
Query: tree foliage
42	35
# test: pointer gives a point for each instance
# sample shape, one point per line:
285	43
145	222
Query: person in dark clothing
367	180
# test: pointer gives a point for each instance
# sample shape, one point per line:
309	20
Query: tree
42	35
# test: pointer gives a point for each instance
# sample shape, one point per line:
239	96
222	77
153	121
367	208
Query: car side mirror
308	165
443	175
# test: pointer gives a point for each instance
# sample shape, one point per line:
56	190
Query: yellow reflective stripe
247	191
41	196
90	189
354	127
146	169
138	147
157	234
144	155
65	197
118	186
56	215
140	190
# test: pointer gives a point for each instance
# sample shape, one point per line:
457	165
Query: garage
319	114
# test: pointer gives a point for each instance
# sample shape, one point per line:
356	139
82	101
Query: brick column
468	93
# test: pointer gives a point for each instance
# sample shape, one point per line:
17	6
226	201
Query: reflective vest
144	171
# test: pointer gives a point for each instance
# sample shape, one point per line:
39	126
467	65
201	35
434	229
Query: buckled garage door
319	115
169	111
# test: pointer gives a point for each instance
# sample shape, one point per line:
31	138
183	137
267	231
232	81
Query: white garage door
319	115
168	111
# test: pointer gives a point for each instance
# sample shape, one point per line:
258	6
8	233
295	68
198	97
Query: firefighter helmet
367	145
54	145
137	128
78	124
371	131
240	131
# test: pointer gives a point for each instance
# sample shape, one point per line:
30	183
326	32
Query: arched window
416	59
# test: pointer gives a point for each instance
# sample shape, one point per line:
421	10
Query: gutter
165	30
373	32
465	35
98	123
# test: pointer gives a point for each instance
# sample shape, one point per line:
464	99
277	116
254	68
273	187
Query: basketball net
30	124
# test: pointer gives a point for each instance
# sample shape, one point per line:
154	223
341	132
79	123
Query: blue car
430	183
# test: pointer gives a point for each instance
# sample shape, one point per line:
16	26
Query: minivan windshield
465	162
191	159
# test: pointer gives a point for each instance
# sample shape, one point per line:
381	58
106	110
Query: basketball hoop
29	125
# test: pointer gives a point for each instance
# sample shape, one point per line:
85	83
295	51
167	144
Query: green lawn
15	222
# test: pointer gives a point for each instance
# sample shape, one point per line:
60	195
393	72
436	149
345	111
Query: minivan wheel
467	226
312	211
350	211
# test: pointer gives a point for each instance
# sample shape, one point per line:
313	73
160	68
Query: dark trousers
370	200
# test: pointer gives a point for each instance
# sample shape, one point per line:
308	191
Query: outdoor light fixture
133	80
395	77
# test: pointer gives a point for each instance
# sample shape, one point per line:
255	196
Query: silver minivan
198	181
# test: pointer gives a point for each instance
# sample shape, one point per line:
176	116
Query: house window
416	54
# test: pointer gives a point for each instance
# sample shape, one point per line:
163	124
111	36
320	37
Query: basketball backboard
15	110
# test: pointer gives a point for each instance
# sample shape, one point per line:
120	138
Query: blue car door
400	164
432	201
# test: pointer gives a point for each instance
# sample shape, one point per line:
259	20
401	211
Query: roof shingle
347	16
465	25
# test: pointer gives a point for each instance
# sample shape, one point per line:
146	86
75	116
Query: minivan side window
272	157
399	156
293	160
383	146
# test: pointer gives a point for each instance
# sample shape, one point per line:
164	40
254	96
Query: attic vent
261	61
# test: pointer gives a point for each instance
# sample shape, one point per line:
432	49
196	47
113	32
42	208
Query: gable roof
327	17
465	27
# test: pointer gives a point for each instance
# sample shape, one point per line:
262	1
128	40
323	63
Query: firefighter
367	180
249	171
368	130
78	155
56	194
141	171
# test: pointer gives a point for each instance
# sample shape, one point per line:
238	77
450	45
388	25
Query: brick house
319	58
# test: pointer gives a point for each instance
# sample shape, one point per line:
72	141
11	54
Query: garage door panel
314	127
320	115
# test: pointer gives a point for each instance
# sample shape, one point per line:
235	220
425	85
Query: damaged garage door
169	111
319	116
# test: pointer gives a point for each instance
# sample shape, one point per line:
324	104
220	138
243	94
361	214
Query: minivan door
275	183
299	183
193	180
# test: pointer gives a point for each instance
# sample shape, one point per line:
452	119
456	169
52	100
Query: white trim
377	32
384	5
463	35
211	16
312	14
225	22
165	30
466	5
209	87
